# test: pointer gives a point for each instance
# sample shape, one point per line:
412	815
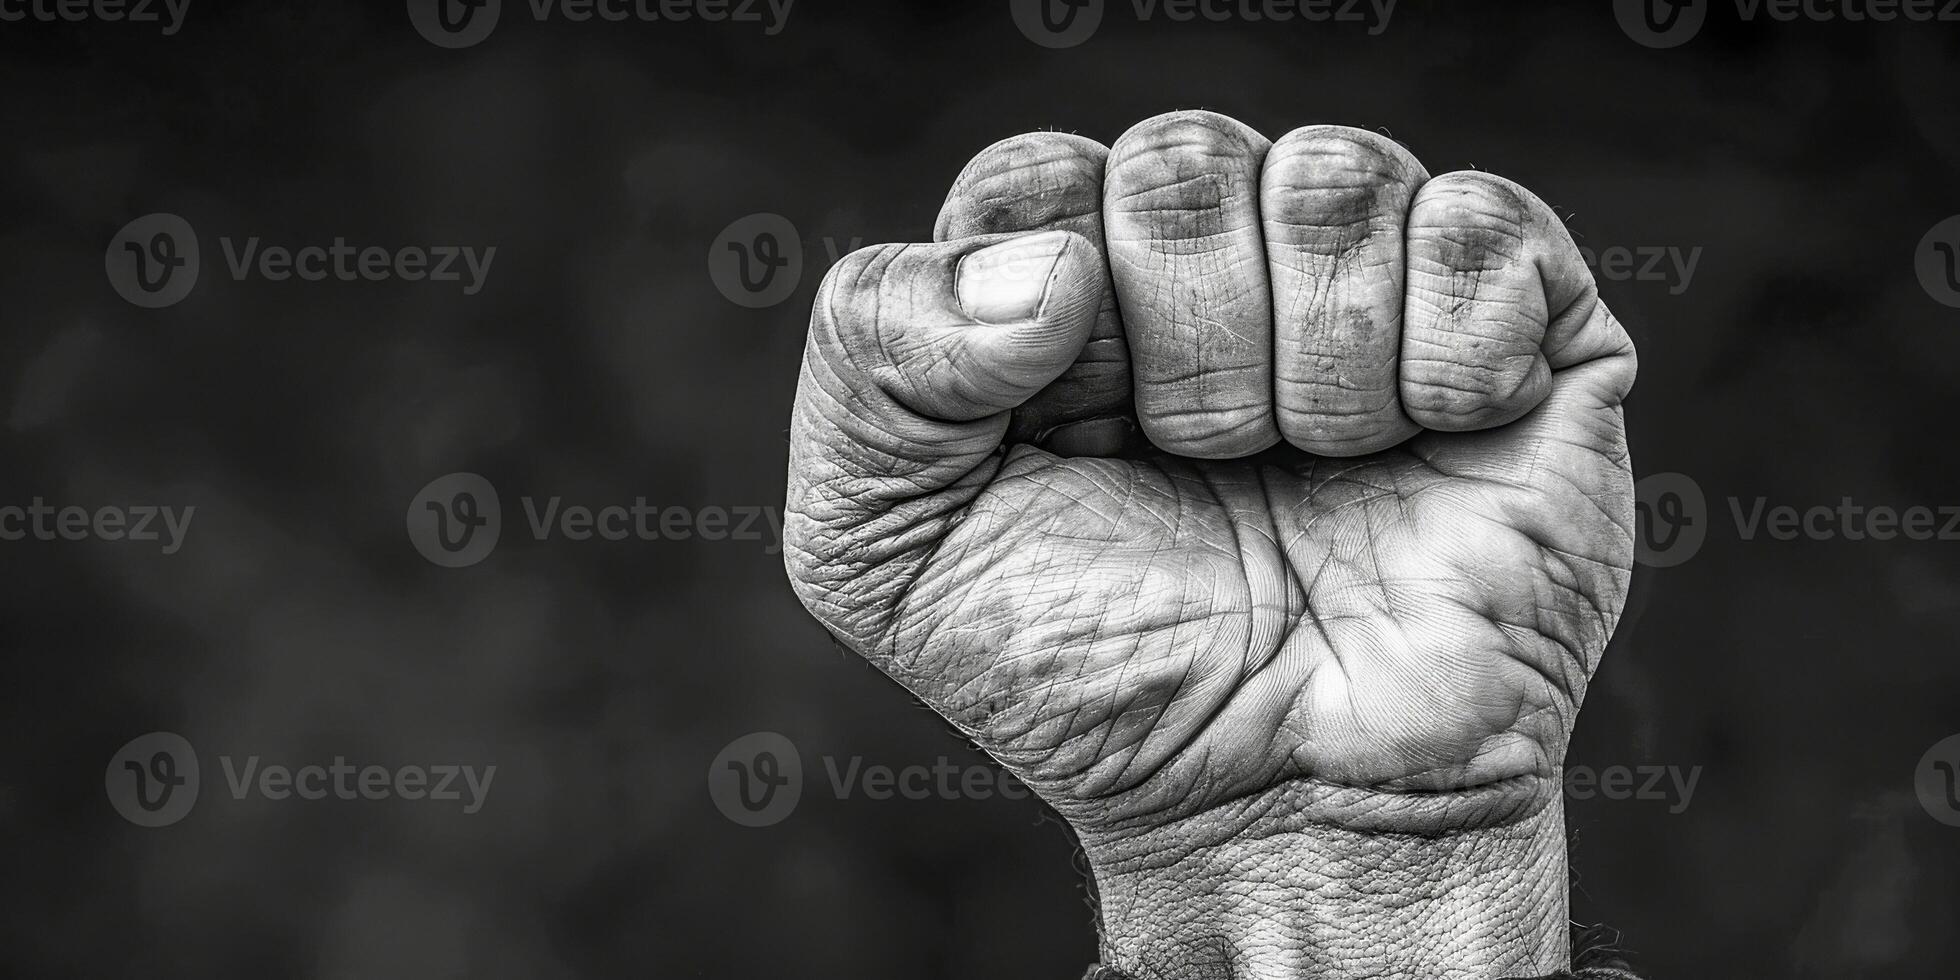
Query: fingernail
1006	283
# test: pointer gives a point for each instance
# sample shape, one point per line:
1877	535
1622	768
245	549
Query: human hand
1267	514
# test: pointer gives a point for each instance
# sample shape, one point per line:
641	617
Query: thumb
916	355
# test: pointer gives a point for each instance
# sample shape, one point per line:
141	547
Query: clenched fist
1265	506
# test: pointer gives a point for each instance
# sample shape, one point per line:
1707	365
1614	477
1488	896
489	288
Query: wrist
1269	888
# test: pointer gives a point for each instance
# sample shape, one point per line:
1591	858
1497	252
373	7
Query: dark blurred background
1804	682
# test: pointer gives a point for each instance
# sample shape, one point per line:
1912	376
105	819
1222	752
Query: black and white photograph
984	490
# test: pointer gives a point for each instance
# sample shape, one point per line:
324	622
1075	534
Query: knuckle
848	273
1500	196
1461	385
1470	221
1338	175
1210	433
1340	428
1186	135
1184	181
1180	164
846	287
853	321
1427	402
1024	182
1338	397
1036	154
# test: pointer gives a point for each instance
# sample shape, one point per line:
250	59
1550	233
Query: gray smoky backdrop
690	779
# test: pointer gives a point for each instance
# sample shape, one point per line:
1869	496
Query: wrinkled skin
1306	484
